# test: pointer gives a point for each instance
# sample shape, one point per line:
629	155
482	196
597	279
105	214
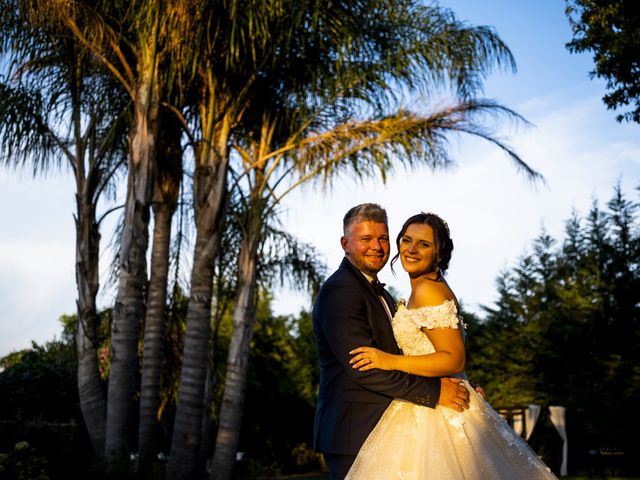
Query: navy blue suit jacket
347	314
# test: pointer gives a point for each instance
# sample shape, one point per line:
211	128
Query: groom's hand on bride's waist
453	394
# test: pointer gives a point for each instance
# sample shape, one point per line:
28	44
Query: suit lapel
378	320
390	303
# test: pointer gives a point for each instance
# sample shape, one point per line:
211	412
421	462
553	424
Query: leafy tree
611	30
565	328
500	353
43	434
22	463
32	378
282	379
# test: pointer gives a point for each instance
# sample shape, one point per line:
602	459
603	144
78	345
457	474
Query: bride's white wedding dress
416	442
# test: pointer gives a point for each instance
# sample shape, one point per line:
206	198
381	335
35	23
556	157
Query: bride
413	442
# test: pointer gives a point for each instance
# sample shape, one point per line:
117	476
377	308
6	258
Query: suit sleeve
342	315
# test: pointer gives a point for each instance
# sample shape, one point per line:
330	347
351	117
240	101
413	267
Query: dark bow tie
378	286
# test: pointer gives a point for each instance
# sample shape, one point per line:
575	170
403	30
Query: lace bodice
407	324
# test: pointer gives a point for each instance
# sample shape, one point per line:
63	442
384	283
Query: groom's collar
369	278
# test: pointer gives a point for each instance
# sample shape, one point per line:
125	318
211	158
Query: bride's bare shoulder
431	294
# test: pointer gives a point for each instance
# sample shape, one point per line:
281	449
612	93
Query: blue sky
493	211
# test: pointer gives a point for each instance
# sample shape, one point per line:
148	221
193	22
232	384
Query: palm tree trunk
236	378
205	430
166	190
149	434
210	384
129	308
90	387
209	204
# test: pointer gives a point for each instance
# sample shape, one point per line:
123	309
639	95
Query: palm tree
234	35
144	89
53	110
166	189
131	41
224	287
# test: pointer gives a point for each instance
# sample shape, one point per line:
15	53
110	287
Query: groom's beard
369	264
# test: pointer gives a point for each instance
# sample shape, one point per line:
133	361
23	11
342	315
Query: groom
352	311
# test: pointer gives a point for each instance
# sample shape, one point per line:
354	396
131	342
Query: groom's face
366	245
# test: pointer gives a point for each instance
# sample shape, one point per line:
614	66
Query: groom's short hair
365	212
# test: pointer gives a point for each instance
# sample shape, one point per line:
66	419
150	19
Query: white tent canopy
527	423
558	419
524	421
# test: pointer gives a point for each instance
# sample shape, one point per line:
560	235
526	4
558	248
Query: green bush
23	463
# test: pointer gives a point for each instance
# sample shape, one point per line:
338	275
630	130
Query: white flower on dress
401	303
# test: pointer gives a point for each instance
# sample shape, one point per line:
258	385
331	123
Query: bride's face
418	250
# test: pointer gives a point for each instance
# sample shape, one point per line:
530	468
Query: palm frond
25	135
286	261
377	146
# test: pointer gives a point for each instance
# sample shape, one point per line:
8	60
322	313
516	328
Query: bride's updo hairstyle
441	237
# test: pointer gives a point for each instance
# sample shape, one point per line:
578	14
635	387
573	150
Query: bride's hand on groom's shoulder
368	358
480	391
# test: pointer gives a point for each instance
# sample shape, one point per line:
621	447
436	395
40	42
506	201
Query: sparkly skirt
414	442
